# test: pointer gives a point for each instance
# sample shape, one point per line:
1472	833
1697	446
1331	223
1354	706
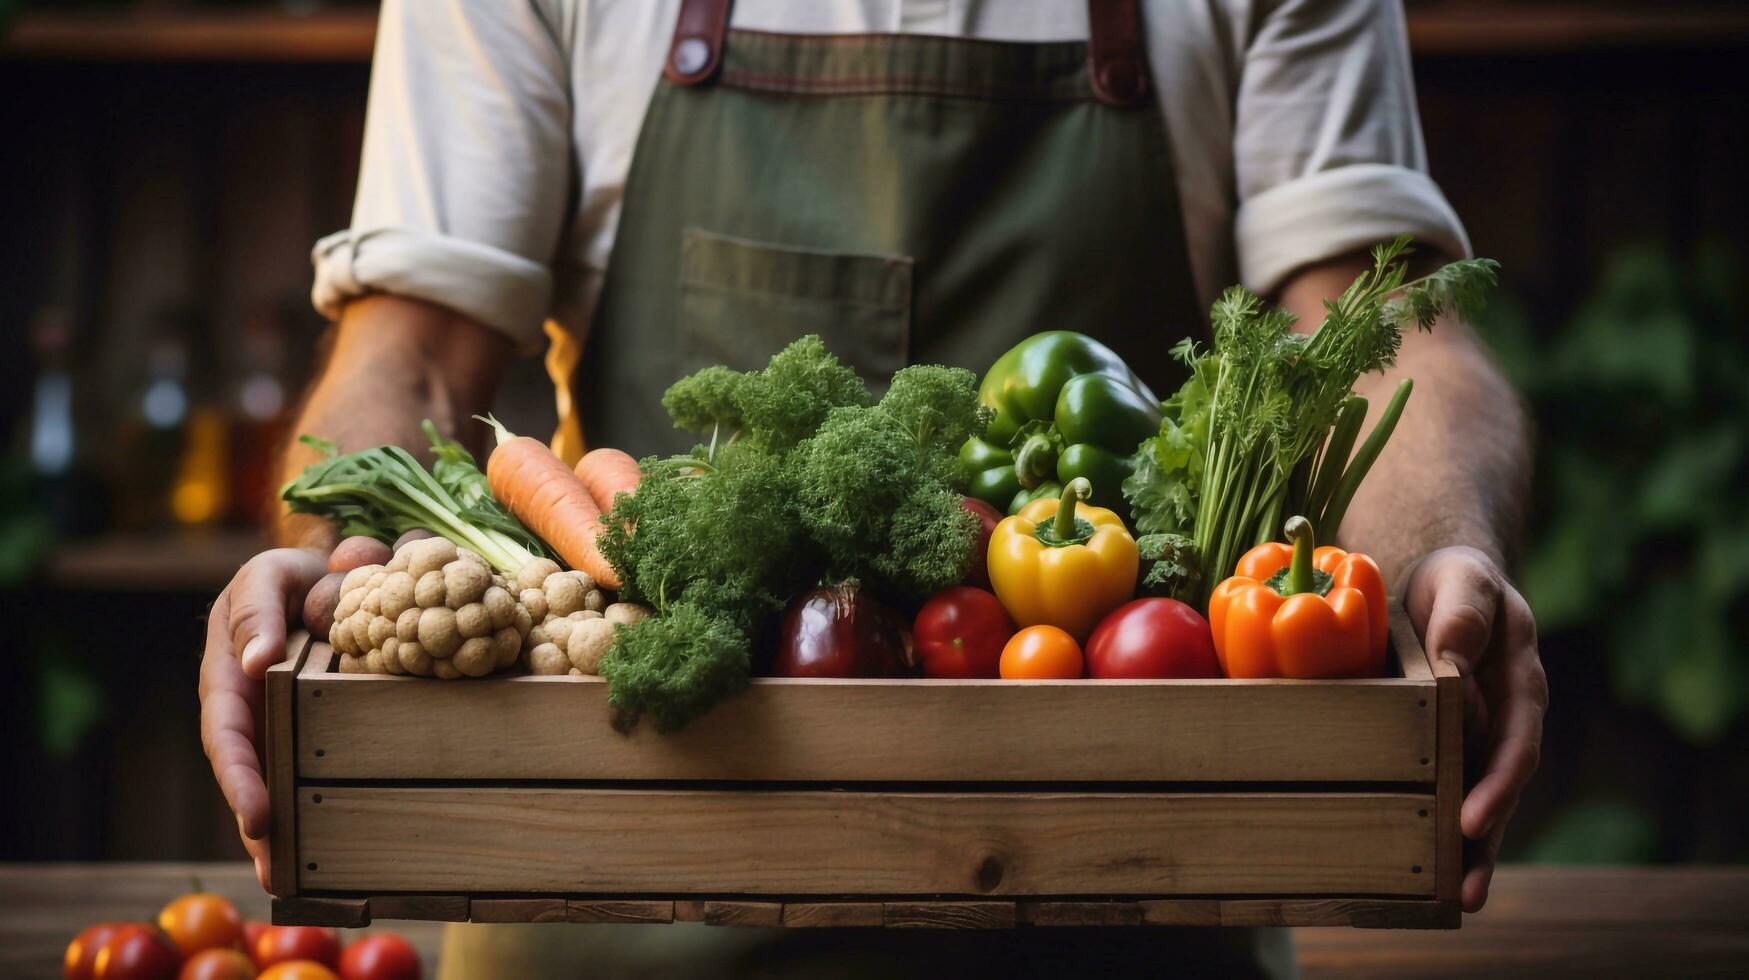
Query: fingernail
252	648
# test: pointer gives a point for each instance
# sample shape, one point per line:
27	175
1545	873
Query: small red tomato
280	944
1152	638
201	921
382	956
960	633
1041	653
81	958
253	929
298	970
988	518
137	951
217	964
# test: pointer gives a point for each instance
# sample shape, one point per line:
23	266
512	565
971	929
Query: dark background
165	171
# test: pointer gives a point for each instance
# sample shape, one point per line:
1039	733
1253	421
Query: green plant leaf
1596	832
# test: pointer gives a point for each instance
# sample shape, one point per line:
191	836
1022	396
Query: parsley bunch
1267	420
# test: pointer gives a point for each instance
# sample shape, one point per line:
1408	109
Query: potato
583	614
417	534
548	659
381	628
396	564
533	574
558	631
524	622
465	582
356	551
506	644
565	594
429	556
359	624
473	620
397	594
358	577
626	612
392	656
438	633
349	600
535	601
595	600
407	624
320	604
475	658
499	606
429	590
590	641
535	636
414	659
445	670
373	599
350	664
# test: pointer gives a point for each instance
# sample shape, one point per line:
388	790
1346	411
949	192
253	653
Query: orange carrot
546	496
608	473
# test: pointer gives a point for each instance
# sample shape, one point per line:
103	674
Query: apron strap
698	41
1117	57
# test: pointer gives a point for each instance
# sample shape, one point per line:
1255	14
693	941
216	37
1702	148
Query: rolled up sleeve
1327	146
466	168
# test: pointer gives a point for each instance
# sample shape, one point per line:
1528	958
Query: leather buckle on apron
698	41
1117	63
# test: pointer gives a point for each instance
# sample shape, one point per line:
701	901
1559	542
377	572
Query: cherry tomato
1041	653
1152	638
960	632
201	921
988	518
298	970
217	964
253	929
137	951
81	958
383	956
280	944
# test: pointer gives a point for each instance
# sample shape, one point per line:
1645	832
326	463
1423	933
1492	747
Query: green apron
911	199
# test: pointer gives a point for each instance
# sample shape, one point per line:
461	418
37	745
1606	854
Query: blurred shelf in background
1440	27
169	561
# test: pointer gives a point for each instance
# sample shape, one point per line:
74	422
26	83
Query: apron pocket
742	301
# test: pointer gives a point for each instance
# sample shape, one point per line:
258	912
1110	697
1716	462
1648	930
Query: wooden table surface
1542	922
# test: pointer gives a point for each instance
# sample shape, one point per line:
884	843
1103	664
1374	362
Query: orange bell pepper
1299	611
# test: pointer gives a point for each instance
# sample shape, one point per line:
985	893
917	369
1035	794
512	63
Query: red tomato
1150	638
298	970
201	921
217	964
1040	653
81	958
988	518
280	944
253	929
383	956
960	632
137	951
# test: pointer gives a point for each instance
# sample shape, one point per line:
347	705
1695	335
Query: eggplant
841	631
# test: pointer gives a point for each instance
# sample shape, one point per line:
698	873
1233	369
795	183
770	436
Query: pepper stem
1035	461
1074	492
1299	574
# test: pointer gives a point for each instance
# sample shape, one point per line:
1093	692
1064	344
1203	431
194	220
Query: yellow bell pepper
1062	563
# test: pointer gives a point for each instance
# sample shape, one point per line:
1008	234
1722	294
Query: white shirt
499	134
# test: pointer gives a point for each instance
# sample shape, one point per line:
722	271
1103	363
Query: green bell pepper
1066	406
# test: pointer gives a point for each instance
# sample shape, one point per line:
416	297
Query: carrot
546	496
608	473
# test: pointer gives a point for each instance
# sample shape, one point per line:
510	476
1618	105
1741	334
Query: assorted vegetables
1055	522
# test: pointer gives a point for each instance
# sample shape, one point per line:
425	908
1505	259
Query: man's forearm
394	363
1456	470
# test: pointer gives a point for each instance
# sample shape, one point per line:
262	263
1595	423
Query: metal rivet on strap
1122	78
691	55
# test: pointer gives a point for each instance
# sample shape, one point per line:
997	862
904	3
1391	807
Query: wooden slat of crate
280	753
775	842
362	726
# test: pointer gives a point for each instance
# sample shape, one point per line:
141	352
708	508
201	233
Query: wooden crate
871	802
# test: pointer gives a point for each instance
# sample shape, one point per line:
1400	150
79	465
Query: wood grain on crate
367	726
668	842
1449	789
279	762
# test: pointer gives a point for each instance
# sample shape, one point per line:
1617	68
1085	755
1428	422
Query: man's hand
1467	613
245	635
